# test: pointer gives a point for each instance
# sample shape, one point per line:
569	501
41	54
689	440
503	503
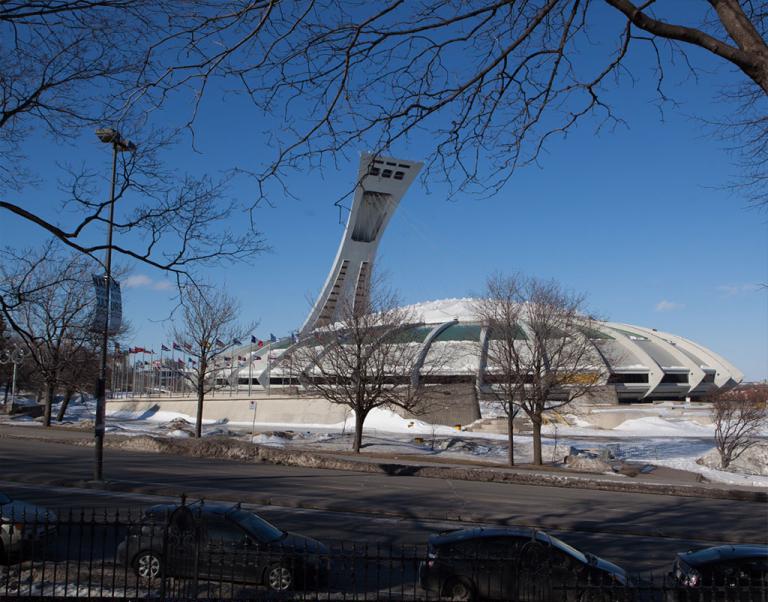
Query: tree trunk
511	436
536	421
50	390
358	437
68	393
200	400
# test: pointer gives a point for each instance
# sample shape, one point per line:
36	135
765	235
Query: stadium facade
641	364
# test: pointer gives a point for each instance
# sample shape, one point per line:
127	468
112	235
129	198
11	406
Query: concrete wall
451	404
268	409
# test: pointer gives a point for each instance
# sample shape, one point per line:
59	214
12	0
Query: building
641	364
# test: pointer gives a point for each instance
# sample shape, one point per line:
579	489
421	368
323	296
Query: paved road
634	552
409	497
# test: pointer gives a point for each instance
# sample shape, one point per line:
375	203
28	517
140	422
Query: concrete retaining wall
268	409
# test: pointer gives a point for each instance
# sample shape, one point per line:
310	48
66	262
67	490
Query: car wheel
279	578
458	589
147	565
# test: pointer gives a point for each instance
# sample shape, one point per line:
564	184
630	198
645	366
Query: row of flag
218	342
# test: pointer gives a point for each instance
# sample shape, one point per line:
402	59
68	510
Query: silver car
22	526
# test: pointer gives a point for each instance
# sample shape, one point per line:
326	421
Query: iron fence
185	552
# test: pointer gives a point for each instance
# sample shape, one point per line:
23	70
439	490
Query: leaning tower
381	183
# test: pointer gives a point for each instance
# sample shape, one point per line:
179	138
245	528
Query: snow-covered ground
664	437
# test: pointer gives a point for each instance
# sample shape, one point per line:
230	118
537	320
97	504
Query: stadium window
674	379
399	175
623	379
387	173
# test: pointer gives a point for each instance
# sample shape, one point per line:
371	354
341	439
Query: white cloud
733	290
144	281
665	305
136	281
162	285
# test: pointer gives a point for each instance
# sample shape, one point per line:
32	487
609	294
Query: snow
654	426
668	434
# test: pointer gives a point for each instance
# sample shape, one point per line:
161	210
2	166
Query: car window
224	531
4	499
500	547
259	529
571	551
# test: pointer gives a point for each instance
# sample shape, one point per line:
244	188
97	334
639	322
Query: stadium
640	364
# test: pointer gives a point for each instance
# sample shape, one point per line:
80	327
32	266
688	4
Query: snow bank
754	461
655	426
380	419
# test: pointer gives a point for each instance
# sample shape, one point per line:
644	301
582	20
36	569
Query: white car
22	526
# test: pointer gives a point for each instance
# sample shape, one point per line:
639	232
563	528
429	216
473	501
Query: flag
139	350
149	351
220	343
236	342
176	346
260	343
180	362
164	348
253	340
272	338
187	346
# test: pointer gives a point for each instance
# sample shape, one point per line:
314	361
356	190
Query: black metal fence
194	552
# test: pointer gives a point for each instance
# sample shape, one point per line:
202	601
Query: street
640	532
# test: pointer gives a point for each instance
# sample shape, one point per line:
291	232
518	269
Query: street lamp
14	357
119	145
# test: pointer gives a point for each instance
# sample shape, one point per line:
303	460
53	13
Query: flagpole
250	367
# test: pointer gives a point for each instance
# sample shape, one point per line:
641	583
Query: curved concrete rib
434	333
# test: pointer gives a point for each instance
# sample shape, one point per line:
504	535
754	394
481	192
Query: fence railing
204	552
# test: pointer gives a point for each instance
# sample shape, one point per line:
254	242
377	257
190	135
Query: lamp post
14	357
119	145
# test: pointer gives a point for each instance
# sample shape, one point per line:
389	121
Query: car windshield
256	526
561	545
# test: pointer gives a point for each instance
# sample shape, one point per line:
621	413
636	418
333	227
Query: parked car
735	572
516	564
220	542
23	526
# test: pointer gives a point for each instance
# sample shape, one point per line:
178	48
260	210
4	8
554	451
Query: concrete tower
381	183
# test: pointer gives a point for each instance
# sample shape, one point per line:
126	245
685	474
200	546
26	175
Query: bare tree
490	80
209	322
46	299
365	360
540	356
68	67
500	312
739	416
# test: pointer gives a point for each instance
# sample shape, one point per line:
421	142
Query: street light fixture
119	145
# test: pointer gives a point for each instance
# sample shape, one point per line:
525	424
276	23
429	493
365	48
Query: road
642	531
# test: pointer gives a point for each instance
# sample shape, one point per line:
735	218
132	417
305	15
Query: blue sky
638	218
